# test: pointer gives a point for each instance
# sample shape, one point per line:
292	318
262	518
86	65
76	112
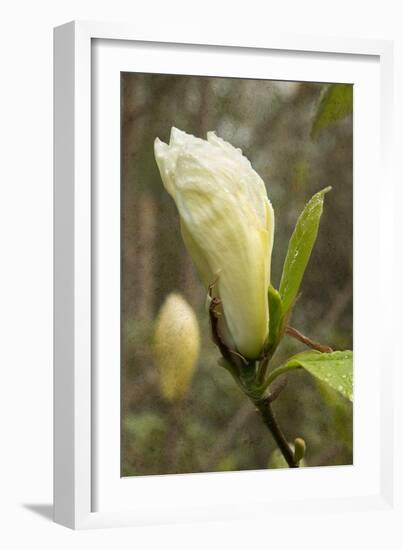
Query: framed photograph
222	231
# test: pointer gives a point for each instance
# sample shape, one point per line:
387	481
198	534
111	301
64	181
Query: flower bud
227	224
277	460
176	346
299	449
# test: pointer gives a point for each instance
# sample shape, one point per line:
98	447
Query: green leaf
335	369
300	248
341	421
335	104
275	315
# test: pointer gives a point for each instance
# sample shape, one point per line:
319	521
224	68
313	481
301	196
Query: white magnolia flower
227	224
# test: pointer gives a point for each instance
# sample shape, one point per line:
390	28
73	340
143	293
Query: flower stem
264	407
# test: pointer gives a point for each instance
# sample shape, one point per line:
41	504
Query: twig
265	409
294	333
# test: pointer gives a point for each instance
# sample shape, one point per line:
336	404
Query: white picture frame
87	489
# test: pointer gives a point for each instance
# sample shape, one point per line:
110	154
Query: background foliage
283	128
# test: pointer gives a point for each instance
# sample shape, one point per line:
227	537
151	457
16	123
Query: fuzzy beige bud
176	346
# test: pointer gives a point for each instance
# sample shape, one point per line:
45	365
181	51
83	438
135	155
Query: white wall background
26	254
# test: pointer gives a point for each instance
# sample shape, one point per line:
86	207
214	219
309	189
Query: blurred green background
215	428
